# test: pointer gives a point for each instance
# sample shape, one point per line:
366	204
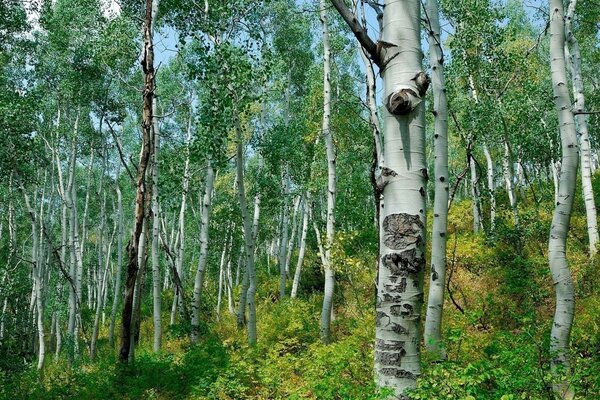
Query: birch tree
573	59
435	301
141	184
325	328
557	255
403	181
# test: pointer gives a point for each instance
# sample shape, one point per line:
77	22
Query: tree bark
156	281
199	279
325	328
574	60
119	270
177	298
283	239
561	275
302	249
491	185
140	198
248	237
435	301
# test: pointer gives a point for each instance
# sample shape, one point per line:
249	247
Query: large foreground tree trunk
403	181
561	275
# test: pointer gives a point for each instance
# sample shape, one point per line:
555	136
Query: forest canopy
299	199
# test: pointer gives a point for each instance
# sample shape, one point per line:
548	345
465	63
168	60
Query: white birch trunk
156	287
37	278
477	225
248	237
508	179
491	185
199	279
325	328
283	240
119	270
561	275
586	168
290	246
435	301
177	298
302	250
402	231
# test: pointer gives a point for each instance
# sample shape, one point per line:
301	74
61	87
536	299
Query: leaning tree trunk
561	275
574	60
435	301
140	198
204	225
331	182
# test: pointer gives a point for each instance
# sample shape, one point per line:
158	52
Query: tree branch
359	31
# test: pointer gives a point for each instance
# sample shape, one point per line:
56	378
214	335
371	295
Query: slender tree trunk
491	185
99	296
302	249
290	245
574	61
37	278
283	239
435	301
555	166
199	279
325	328
139	284
477	224
508	179
561	275
156	292
248	237
119	270
177	298
140	198
222	277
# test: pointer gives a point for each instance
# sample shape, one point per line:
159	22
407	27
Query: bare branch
359	31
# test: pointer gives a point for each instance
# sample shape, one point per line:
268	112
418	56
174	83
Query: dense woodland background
210	169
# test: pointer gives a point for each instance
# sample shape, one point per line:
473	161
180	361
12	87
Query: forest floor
497	320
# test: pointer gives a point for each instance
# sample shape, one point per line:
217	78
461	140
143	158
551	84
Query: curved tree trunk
561	275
